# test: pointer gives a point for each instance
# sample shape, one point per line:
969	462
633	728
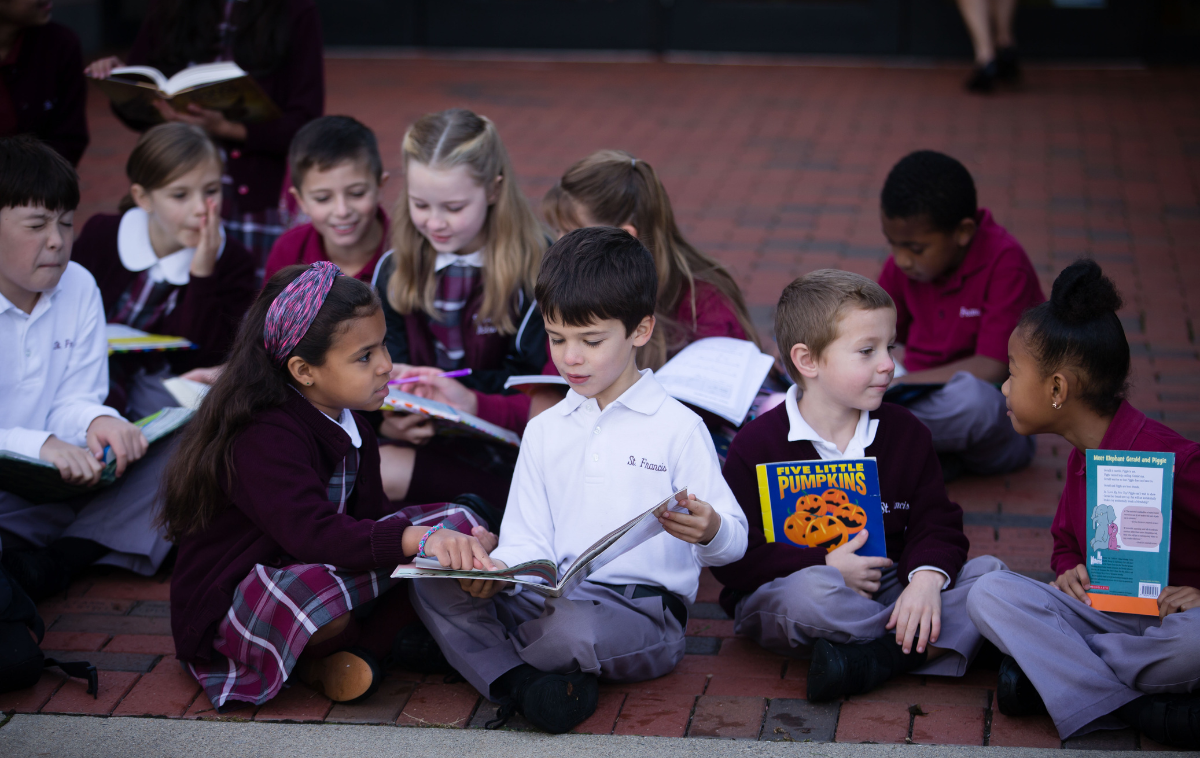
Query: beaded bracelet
421	544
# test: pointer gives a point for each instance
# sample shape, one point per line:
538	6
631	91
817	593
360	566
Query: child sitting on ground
1068	373
337	181
274	498
53	379
165	266
868	618
960	283
575	481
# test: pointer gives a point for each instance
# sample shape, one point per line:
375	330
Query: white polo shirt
54	372
583	472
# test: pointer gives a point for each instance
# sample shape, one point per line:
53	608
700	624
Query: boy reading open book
615	444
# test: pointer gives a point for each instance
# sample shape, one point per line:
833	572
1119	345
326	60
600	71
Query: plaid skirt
276	610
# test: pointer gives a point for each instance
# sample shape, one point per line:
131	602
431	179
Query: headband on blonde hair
293	311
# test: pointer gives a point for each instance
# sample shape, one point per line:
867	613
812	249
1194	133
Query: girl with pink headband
286	538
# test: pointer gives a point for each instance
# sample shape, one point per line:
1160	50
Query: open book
542	575
38	481
126	339
721	375
449	420
222	86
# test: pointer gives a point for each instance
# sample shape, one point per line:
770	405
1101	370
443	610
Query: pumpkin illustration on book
835	498
796	525
813	505
825	532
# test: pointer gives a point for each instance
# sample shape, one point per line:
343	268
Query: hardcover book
1129	494
822	504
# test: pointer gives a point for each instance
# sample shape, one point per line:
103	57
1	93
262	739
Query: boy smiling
867	618
579	476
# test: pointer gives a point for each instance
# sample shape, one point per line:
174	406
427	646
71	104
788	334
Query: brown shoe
347	676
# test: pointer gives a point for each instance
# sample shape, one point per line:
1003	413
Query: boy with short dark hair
54	380
337	180
614	446
960	283
868	618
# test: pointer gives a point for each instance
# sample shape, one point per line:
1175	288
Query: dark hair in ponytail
1078	328
195	484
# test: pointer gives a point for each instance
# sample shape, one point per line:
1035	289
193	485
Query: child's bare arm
698	526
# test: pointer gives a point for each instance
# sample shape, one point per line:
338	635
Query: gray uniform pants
595	630
120	516
968	417
815	603
1085	663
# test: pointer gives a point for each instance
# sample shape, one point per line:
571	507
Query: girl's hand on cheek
407	427
204	262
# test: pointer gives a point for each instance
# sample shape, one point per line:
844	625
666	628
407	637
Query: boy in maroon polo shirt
960	283
867	618
337	180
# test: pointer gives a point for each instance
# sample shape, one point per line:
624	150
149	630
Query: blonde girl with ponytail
458	294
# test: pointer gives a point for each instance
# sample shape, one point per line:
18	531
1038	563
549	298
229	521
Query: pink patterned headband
294	309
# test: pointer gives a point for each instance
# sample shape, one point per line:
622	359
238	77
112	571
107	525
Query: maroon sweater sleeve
283	495
303	97
211	307
934	535
508	411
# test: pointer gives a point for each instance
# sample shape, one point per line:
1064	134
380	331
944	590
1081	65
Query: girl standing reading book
164	264
1068	373
458	293
275	501
278	43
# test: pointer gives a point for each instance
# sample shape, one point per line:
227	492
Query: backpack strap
79	670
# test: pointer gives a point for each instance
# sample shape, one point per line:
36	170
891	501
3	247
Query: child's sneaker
554	703
1168	719
838	670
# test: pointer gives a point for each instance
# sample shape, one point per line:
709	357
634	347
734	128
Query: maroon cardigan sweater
279	513
297	85
923	526
209	308
47	89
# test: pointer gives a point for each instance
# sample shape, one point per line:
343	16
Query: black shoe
983	79
39	572
1015	694
838	670
1008	70
1172	720
414	649
555	703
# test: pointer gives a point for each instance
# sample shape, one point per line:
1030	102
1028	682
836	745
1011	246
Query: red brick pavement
775	170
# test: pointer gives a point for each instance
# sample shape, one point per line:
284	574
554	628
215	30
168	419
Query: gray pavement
90	737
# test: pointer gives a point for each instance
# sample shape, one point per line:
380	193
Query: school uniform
307	536
43	91
1086	663
255	169
785	597
159	295
462	338
54	380
581	473
970	311
304	244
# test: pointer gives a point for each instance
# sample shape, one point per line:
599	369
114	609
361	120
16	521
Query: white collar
137	253
645	396
43	302
450	259
346	421
799	430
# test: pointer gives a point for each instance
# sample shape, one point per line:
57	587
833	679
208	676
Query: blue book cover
1129	495
822	503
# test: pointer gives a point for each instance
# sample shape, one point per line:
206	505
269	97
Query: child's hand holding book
126	440
699	525
861	573
76	465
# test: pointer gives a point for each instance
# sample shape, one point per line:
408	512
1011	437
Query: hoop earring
1056	406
